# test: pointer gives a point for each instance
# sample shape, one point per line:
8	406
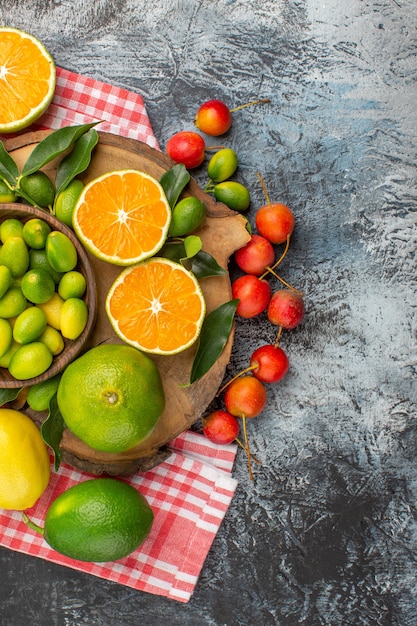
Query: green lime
30	360
66	200
187	215
72	285
39	261
7	356
35	232
37	286
5	279
11	227
12	303
6	336
232	194
222	165
6	194
74	316
15	255
29	325
53	340
38	188
40	394
61	252
98	520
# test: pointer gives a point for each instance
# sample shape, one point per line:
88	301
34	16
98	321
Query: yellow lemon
24	461
53	340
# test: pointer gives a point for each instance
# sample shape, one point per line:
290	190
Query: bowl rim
72	347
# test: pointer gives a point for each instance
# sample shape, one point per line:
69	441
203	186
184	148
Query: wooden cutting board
223	232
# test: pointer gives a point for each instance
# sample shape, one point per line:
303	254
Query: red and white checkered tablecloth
191	491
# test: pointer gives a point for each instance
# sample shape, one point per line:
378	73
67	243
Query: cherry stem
245	449
278	337
284	282
248	452
211	148
261	180
248	104
247	369
280	260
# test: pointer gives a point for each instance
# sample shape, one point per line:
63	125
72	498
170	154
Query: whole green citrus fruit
111	397
98	520
38	188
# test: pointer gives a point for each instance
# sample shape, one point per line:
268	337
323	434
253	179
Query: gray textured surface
327	533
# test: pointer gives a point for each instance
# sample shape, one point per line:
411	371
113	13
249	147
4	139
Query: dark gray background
327	532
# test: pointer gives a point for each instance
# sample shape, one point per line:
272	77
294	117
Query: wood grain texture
326	534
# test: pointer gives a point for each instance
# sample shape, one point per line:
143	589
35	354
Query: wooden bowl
72	348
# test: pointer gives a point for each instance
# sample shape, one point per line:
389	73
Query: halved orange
27	79
122	217
156	306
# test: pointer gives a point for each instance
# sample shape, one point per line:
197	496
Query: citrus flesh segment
122	217
156	306
27	79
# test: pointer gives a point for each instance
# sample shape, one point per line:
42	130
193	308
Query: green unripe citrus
37	286
60	252
222	165
232	194
6	194
6	336
66	200
187	215
29	325
98	520
11	227
15	255
30	360
35	232
38	188
40	394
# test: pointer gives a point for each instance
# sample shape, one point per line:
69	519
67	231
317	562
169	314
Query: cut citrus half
27	79
156	306
122	217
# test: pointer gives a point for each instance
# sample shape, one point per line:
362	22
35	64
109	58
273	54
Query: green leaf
173	182
192	245
213	338
76	161
52	429
8	168
204	265
7	395
53	145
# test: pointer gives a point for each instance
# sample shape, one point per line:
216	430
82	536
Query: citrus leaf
76	161
7	395
204	265
8	168
52	429
173	182
192	245
53	145
213	338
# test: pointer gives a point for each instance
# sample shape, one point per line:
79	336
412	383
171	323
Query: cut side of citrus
27	79
156	306
122	217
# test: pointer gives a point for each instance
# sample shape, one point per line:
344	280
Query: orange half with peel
122	217
156	306
27	79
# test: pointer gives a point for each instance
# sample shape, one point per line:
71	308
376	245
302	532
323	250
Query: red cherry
255	256
220	427
245	397
286	309
254	295
213	118
186	147
271	363
275	222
